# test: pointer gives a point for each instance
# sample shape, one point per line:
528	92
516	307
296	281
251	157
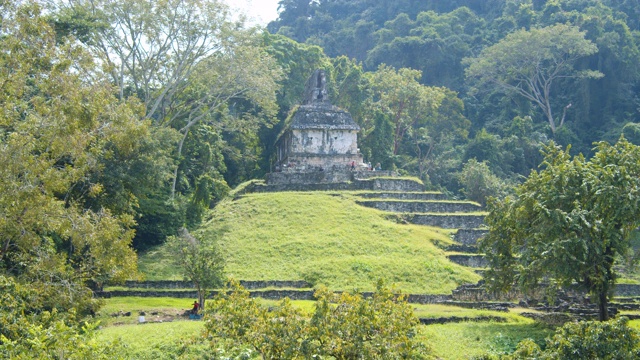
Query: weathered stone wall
324	141
319	162
421	206
383	184
265	294
406	196
368	174
184	294
470	236
170	284
314	177
459	319
281	294
259	284
477	293
627	290
427	299
159	284
453	221
350	186
467	293
280	182
469	260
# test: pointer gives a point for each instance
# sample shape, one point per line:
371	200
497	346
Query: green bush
343	326
29	333
612	339
479	182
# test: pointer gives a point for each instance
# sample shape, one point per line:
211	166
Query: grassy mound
324	238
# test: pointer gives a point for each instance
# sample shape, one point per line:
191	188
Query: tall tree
151	48
437	132
238	72
530	62
201	262
424	119
567	223
186	60
399	94
55	126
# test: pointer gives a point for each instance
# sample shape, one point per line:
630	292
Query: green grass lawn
635	324
151	340
165	308
439	310
158	264
449	341
323	238
472	339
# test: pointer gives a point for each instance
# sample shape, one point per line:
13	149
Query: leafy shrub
612	339
479	182
29	333
343	326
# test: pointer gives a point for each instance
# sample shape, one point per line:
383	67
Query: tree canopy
434	37
529	64
55	129
201	262
55	126
567	222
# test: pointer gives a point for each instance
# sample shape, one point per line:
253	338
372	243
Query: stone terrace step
469	249
265	294
404	195
449	221
458	319
247	284
624	293
374	184
182	294
469	236
469	260
421	206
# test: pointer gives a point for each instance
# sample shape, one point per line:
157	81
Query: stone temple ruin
320	136
320	142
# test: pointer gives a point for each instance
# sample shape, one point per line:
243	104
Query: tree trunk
608	284
552	122
603	312
201	298
175	172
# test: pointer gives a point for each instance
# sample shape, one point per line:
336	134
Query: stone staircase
434	209
422	206
467	240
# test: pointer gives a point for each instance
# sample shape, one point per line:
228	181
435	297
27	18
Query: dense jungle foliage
448	41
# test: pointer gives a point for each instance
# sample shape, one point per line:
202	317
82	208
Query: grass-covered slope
326	238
